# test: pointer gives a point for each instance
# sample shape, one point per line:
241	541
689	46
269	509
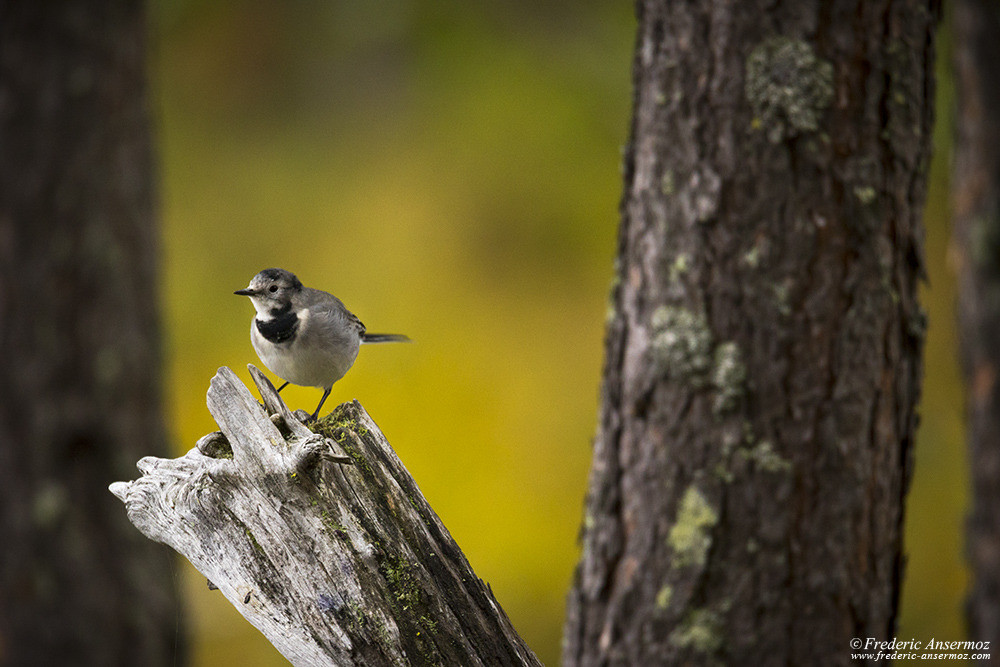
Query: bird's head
272	291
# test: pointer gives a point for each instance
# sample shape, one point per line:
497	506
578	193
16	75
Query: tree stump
320	538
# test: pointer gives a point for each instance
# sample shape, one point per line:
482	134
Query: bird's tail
384	338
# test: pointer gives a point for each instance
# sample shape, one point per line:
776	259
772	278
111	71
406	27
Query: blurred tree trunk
763	355
80	372
976	249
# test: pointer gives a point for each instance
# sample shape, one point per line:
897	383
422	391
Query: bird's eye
272	289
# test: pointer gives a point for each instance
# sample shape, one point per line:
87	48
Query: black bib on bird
281	327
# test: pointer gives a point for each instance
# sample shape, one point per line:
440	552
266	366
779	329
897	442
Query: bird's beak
245	292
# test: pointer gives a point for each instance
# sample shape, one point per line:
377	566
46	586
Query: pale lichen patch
690	537
788	86
681	343
663	597
701	631
766	458
729	376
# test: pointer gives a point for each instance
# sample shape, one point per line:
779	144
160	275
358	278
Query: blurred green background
451	171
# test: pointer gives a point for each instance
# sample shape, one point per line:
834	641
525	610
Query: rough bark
336	564
976	251
80	373
763	349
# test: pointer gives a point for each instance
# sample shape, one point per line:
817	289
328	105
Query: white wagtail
305	336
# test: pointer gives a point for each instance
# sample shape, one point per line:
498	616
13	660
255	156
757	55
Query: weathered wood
322	540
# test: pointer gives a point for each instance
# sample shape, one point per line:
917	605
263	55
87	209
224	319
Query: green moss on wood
342	417
398	573
359	459
253	540
339	425
410	604
332	525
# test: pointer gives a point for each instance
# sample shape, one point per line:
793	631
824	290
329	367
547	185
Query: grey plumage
304	335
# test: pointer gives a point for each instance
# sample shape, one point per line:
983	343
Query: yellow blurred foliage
450	171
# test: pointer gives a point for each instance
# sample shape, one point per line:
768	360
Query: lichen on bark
788	86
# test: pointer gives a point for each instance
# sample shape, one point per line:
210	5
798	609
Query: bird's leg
321	401
282	387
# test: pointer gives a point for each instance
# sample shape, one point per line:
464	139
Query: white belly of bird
308	366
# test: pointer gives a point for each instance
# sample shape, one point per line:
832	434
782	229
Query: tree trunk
80	372
336	564
976	250
763	355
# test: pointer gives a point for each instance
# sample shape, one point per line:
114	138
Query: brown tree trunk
976	249
763	357
80	372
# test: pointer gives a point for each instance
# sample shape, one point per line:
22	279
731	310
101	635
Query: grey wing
326	307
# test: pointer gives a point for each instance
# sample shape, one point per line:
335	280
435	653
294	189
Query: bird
303	335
